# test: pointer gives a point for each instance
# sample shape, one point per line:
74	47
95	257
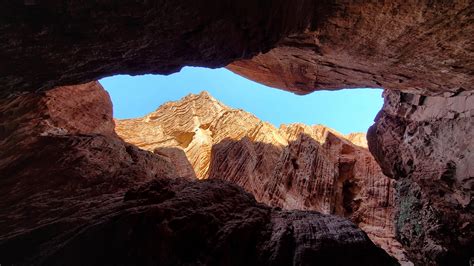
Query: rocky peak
358	138
193	102
194	124
198	121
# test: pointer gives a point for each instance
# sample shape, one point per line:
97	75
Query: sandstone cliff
293	167
194	124
61	158
420	46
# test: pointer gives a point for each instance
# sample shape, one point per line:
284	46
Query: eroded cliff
293	167
417	46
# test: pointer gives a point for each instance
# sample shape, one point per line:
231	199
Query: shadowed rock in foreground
417	46
177	222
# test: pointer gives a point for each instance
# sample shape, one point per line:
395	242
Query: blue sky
344	110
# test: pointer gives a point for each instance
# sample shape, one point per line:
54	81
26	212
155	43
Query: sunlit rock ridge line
295	166
197	121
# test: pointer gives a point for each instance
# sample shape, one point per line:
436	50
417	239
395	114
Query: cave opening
305	152
197	108
213	123
74	192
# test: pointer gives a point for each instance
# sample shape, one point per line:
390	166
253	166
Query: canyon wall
426	143
292	167
73	193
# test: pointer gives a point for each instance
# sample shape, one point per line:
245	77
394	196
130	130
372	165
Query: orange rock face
194	124
421	47
293	167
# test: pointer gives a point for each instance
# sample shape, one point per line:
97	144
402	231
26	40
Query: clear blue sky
344	110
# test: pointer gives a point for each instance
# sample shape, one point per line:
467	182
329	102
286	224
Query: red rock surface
67	198
293	167
178	158
60	156
193	124
328	174
178	222
426	143
412	46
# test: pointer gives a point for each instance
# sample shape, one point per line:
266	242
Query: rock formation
178	159
73	193
292	167
421	47
417	46
194	124
60	158
426	143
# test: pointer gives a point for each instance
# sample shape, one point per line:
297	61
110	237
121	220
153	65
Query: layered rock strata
73	193
292	167
426	143
194	124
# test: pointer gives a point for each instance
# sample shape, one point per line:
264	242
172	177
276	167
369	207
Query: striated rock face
73	193
293	167
412	46
426	143
178	158
194	124
317	170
